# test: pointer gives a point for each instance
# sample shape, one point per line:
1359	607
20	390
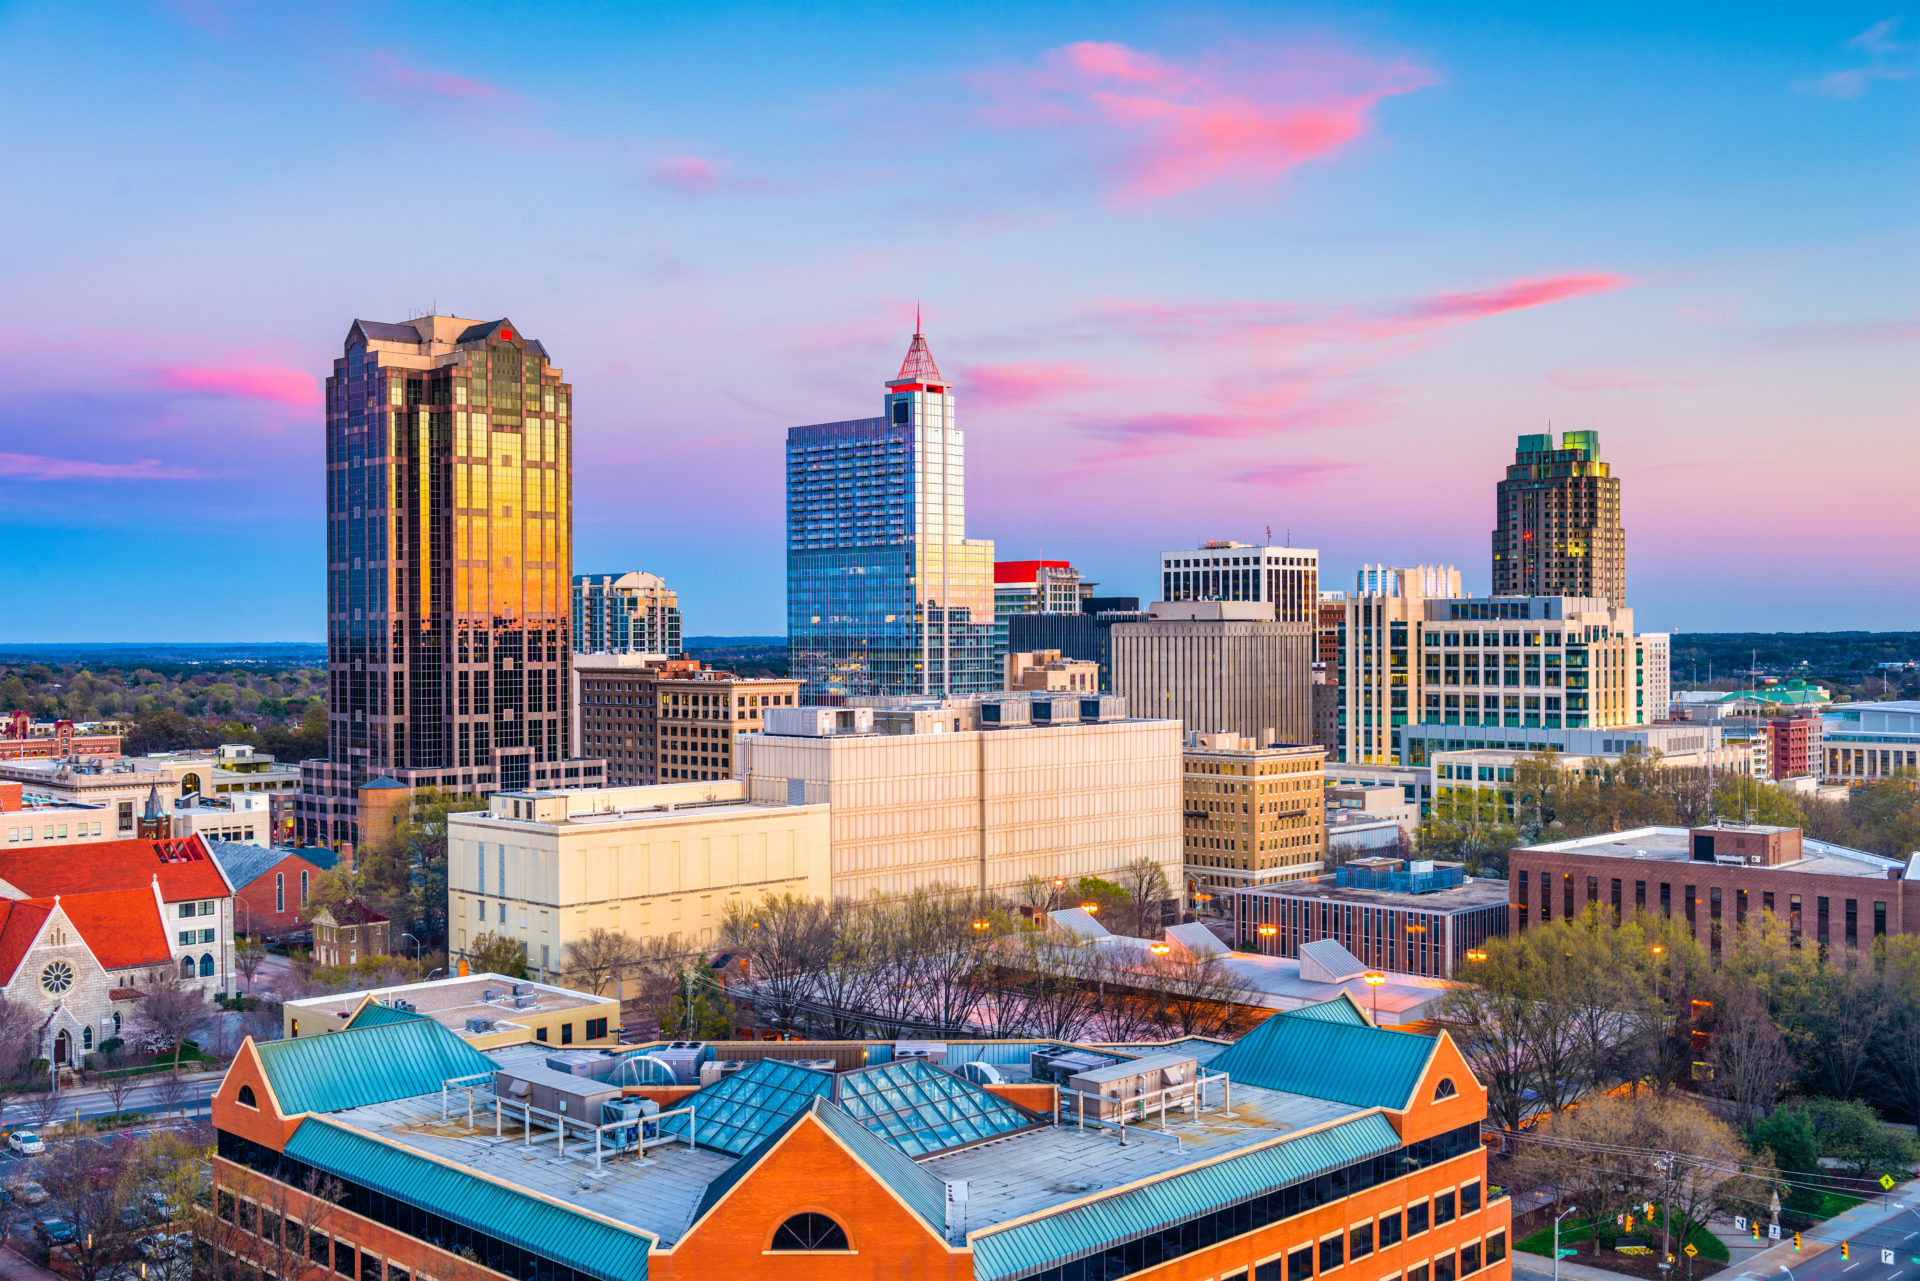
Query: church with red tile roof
84	930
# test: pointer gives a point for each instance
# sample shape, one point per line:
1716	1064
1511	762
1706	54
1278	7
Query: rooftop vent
479	1025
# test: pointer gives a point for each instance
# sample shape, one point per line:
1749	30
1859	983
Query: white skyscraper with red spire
885	592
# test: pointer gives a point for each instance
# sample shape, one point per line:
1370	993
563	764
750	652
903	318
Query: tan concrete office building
1048	671
977	794
1219	666
121	787
661	720
544	868
1254	815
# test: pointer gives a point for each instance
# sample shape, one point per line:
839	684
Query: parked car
161	1246
27	1192
53	1232
25	1143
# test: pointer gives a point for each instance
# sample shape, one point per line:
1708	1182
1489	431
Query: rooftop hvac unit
1103	707
479	1025
684	1058
521	989
715	1069
526	1002
997	712
817	1065
408	1006
642	1069
1056	710
981	1073
1059	1066
927	1051
489	993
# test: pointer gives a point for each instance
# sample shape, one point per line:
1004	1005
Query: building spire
918	366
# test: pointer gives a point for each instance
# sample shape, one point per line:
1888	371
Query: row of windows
1690	900
1152	1249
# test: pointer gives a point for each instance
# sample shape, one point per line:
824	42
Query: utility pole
1556	1239
1666	1214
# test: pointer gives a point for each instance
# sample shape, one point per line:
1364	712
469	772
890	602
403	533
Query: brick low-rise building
667	720
1718	879
272	887
1353	1150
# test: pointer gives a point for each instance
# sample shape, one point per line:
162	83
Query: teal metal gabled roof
374	1064
1365	1067
371	1014
1095	1225
1341	1009
924	1193
547	1228
921	1110
736	1112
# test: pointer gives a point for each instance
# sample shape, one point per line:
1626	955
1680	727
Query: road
91	1103
1887	1252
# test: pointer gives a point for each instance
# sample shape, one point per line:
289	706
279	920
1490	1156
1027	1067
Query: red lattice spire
918	366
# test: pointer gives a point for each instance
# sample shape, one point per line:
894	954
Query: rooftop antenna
916	319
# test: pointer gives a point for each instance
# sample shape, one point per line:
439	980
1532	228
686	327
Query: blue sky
1197	272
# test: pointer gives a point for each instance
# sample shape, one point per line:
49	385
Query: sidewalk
15	1268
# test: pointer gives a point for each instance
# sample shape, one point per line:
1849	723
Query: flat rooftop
1020	1173
1674	845
451	1002
1471	893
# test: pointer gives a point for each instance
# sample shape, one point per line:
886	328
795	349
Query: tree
1750	1060
261	1225
1852	1133
20	1027
1786	1134
698	1009
93	1186
1202	995
787	939
1472	825
1896	1059
169	1092
1831	1015
170	1012
114	1079
599	957
497	954
1149	897
249	954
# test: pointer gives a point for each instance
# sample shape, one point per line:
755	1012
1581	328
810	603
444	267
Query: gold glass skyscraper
449	557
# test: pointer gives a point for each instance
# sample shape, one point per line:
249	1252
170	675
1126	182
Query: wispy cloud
1024	382
1290	475
691	175
295	388
397	78
1307	324
1168	127
1887	58
39	467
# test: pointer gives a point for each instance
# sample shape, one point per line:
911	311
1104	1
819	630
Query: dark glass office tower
449	558
885	593
1559	531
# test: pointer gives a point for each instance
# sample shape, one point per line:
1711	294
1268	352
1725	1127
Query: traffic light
1846	1251
1756	1229
1796	1240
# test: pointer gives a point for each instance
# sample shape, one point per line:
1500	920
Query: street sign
1739	1223
1886	1181
1773	1232
1568	1253
1692	1249
1886	1256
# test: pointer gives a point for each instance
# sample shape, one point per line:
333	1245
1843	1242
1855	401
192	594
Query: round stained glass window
57	977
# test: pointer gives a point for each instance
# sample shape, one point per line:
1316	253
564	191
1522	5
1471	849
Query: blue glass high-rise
885	592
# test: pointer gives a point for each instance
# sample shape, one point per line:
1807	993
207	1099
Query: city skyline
1193	276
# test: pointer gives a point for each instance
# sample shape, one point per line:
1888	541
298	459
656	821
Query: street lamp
416	949
1091	909
1475	954
1556	1239
980	923
1374	979
1160	949
1266	931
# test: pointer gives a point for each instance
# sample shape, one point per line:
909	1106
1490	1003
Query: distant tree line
175	706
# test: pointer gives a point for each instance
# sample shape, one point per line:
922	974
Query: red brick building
1355	1152
272	886
18	742
1793	745
349	934
1717	879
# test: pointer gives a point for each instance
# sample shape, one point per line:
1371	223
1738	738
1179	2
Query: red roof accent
185	869
122	928
918	366
125	994
1023	571
20	922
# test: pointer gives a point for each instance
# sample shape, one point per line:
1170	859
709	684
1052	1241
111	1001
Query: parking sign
1773	1231
1886	1256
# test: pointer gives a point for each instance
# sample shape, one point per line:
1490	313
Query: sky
1197	271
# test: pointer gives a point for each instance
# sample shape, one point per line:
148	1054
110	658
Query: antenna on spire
916	318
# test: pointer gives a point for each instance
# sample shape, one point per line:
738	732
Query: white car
25	1143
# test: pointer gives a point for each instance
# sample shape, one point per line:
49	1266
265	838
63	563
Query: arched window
245	1098
116	1023
810	1232
279	891
206	966
86	1037
186	967
1444	1090
189	783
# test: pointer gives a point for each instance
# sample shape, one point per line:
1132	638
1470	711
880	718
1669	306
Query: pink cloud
394	75
40	467
292	387
1175	127
1305	324
1286	475
1027	381
691	175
